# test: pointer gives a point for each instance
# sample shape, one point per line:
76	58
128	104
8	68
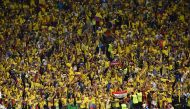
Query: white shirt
108	105
0	95
2	107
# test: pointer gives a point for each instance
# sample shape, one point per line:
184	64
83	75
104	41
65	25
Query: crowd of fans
76	53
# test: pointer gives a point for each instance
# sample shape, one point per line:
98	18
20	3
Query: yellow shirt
2	68
120	80
32	2
161	103
42	2
56	102
103	106
82	105
64	101
165	52
93	100
182	18
42	103
127	49
169	100
79	32
119	49
50	103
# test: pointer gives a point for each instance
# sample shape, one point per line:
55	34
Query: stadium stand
94	54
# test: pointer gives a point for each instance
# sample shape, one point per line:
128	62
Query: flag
120	94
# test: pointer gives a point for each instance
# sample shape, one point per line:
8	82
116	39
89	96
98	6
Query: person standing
135	100
188	102
139	96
